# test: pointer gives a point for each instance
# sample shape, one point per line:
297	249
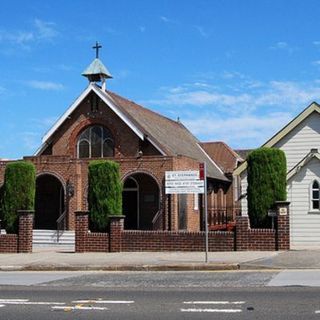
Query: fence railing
222	218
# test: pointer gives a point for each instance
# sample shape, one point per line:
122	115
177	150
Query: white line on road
317	311
214	302
2	305
13	300
69	308
34	303
104	301
212	310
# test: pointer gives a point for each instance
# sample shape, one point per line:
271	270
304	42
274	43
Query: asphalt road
193	303
151	295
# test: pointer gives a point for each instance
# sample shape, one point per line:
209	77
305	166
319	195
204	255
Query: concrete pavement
163	261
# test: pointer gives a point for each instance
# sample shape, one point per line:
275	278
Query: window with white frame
315	195
95	142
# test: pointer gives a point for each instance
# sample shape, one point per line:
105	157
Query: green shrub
18	192
1	203
104	193
267	171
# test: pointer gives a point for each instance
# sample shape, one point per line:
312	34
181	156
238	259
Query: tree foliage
104	194
18	192
267	170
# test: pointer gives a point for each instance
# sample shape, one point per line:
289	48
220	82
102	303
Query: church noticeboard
183	182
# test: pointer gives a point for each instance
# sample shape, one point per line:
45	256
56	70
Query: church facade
103	125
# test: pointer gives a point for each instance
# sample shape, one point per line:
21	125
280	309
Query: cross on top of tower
97	47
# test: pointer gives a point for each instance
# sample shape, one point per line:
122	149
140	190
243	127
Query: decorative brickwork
25	231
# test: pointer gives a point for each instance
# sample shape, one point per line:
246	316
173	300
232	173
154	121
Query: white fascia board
106	98
66	114
211	160
301	164
109	102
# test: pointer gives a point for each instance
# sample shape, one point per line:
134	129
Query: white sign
186	183
183	182
182	175
184	190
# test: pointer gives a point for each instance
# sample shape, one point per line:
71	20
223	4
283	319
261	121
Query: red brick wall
8	243
97	242
176	241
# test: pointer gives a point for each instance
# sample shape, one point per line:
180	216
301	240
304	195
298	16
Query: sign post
190	182
203	176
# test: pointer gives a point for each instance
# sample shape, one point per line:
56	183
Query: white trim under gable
211	160
106	99
302	163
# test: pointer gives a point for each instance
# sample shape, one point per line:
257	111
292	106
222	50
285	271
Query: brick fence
21	242
243	239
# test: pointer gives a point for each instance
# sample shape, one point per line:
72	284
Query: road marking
212	310
214	302
317	311
104	301
13	300
33	303
2	305
69	308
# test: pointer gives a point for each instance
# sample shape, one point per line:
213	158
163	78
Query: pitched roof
313	107
226	158
172	136
243	153
96	67
168	136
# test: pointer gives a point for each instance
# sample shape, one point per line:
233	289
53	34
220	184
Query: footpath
55	259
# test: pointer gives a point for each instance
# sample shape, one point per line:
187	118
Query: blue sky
235	71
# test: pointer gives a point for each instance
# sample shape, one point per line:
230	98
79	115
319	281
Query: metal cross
97	47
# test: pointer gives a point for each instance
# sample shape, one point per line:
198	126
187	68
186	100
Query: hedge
267	171
104	193
18	192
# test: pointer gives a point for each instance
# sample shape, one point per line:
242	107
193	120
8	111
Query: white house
300	140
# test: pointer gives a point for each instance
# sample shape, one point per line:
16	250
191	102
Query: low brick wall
175	241
8	243
243	239
261	240
21	242
97	242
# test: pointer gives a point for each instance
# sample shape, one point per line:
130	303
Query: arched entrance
50	202
140	201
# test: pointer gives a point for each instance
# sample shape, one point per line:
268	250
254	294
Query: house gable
128	138
303	128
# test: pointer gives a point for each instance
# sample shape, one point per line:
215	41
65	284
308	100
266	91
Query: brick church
102	124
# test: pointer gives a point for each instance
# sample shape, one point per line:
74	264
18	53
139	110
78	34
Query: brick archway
141	201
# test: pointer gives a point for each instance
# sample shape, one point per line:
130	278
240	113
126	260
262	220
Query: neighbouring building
102	124
300	140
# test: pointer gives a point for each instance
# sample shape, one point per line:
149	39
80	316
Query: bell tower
96	71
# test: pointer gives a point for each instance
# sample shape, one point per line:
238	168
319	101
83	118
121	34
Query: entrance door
49	204
130	204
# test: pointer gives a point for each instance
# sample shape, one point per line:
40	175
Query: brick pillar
25	231
81	230
283	226
115	236
242	233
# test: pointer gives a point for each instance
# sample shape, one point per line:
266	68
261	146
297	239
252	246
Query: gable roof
313	107
226	158
169	137
313	154
243	153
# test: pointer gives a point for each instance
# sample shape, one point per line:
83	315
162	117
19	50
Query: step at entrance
48	239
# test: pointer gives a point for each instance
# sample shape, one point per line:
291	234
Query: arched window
315	195
95	142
